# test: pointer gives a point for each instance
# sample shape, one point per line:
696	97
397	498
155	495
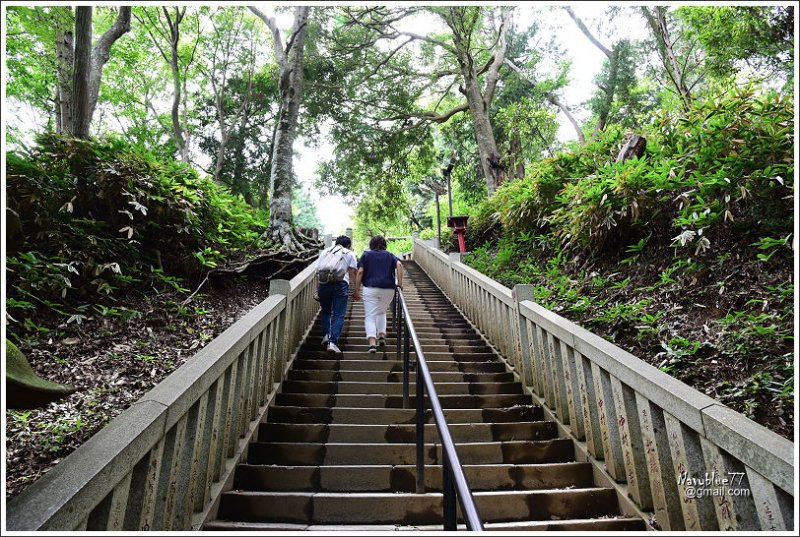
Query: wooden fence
673	451
162	463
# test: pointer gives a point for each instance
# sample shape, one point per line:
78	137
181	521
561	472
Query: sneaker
381	341
333	349
372	349
325	340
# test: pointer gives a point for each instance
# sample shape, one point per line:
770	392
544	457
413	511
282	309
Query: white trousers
376	301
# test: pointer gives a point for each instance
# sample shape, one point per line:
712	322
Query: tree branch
552	98
280	55
433	116
497	61
418	37
586	31
121	25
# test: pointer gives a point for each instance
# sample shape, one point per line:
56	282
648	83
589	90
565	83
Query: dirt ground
113	363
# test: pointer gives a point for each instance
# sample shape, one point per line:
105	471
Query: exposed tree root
292	239
296	252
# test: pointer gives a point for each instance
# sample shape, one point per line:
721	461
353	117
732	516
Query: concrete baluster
607	414
522	347
734	513
687	462
773	505
110	512
239	388
282	287
559	385
630	433
572	391
168	486
201	436
211	444
663	483
591	420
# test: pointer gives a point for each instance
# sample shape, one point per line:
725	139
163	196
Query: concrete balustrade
665	447
163	463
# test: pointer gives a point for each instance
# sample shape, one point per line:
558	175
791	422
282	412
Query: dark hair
343	240
377	243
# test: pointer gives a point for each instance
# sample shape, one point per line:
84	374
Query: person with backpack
334	268
377	270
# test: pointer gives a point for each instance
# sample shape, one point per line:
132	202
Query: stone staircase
337	451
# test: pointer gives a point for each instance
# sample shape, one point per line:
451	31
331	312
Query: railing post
420	432
519	328
398	330
454	293
449	494
282	287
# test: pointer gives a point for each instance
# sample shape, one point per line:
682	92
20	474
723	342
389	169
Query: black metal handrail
454	483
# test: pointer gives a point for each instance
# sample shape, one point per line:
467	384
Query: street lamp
438	189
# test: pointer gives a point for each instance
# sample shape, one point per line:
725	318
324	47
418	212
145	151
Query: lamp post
437	188
438	222
446	172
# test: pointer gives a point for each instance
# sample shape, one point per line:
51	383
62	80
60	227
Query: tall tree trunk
516	160
609	91
220	158
177	130
174	40
83	67
657	19
484	135
282	173
291	90
65	57
57	113
101	53
479	100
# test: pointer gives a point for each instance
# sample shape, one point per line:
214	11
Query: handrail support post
420	434
449	493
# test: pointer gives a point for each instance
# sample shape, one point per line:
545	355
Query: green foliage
100	217
30	52
724	164
758	36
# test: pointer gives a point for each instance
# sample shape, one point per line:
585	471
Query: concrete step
427	348
404	433
396	401
396	388
608	524
357	333
455	324
385	416
362	346
391	341
385	376
413	509
376	363
319	454
402	478
390	354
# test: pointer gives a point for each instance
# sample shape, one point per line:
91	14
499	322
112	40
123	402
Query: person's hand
357	296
